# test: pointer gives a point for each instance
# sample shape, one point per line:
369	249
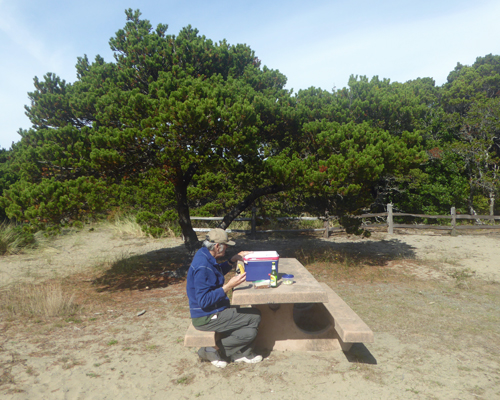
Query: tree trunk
190	238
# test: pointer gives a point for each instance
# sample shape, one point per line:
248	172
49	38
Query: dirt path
434	338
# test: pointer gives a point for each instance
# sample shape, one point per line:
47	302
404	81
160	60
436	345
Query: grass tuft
127	225
13	239
37	300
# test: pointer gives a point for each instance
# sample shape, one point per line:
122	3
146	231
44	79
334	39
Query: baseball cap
218	235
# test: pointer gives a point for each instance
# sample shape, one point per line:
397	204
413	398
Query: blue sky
315	43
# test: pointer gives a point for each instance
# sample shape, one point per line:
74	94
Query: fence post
453	221
492	208
390	222
326	225
254	223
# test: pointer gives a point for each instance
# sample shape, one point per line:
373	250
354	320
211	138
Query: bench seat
196	338
349	326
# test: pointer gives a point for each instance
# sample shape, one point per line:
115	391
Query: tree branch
247	202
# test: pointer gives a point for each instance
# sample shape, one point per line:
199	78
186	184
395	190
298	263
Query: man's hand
233	282
239	256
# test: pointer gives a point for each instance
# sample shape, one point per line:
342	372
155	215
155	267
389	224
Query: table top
305	289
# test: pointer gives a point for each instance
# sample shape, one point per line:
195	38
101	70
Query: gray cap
218	235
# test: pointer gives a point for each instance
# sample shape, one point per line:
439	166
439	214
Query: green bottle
274	276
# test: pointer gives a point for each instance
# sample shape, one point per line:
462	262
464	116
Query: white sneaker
213	357
250	359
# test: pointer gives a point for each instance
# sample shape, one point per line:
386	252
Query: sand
111	352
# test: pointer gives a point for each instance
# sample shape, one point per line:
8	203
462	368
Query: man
210	307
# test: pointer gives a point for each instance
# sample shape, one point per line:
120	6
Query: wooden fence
389	224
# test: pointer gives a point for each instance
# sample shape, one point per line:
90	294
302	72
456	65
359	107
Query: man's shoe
213	357
250	359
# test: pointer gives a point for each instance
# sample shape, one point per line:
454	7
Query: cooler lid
261	255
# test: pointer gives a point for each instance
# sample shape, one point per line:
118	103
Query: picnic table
304	316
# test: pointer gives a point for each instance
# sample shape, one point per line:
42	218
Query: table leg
278	331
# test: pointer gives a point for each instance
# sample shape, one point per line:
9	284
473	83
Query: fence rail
389	224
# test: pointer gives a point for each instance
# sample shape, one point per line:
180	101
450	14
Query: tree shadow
144	271
160	268
310	249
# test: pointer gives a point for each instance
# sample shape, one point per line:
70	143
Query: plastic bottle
273	276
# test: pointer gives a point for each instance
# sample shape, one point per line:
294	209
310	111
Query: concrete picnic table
304	316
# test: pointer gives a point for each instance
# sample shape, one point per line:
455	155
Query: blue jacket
204	285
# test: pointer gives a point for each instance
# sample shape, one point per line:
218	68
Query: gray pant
238	328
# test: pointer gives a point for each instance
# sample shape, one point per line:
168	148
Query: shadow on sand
169	265
358	353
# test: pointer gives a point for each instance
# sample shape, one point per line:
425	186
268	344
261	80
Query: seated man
210	307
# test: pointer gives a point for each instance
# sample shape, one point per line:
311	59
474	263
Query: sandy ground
112	353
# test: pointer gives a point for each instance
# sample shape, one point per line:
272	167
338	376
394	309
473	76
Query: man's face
220	250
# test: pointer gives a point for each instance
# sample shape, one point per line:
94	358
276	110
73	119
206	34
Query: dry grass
337	266
127	225
37	300
463	312
10	241
14	241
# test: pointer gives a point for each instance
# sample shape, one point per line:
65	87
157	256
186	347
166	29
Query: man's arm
234	281
208	294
